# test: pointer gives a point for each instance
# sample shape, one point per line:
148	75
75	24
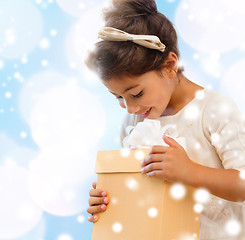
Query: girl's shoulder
219	104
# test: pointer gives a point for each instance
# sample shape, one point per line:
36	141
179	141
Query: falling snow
125	152
132	184
233	227
44	63
65	236
23	134
53	32
139	155
152	212
24	37
1	64
177	191
201	195
45	43
81	219
117	227
198	208
8	95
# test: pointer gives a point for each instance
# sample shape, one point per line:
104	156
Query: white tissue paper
149	133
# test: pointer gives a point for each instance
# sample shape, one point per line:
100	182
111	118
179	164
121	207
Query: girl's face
148	95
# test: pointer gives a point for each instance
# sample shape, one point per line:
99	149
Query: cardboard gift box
140	207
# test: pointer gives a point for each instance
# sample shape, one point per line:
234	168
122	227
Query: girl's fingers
158	149
96	209
153	158
93	218
97	193
94	185
98	200
152	167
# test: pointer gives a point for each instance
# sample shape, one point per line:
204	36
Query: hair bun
129	8
143	6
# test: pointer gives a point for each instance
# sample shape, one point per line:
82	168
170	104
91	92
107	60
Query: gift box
141	207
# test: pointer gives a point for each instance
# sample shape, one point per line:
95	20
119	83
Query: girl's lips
146	114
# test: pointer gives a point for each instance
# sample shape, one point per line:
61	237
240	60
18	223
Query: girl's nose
132	108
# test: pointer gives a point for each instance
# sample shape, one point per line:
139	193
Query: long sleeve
224	127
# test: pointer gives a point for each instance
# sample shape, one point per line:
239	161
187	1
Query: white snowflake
8	95
65	236
81	219
132	184
24	60
178	191
44	43
44	63
53	32
198	208
117	227
201	195
233	227
152	212
23	134
1	64
10	36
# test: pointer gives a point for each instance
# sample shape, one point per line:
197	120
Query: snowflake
233	227
8	95
152	212
117	227
45	43
178	191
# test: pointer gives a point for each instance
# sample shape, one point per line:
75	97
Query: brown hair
114	59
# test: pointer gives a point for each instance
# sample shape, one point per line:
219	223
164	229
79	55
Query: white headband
148	41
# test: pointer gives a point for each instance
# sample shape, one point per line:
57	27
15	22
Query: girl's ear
171	64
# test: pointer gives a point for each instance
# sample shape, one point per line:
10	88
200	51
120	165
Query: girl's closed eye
138	95
135	96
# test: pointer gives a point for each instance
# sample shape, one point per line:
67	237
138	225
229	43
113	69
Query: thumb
170	141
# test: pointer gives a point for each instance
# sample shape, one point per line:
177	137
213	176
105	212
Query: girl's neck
184	92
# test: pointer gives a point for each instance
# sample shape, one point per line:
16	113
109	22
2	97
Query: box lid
119	161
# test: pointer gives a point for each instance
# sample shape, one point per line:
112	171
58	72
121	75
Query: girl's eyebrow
127	89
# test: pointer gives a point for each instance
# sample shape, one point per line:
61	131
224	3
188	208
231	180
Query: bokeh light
82	38
33	89
132	184
19	213
213	22
117	227
67	115
152	212
201	195
78	8
177	191
232	77
19	33
125	152
233	227
62	193
198	208
139	155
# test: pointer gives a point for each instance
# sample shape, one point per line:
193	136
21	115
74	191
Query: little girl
137	60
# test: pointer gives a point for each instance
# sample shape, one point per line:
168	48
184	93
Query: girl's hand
97	202
170	163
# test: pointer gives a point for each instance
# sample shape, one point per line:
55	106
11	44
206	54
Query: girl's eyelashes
138	95
135	96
